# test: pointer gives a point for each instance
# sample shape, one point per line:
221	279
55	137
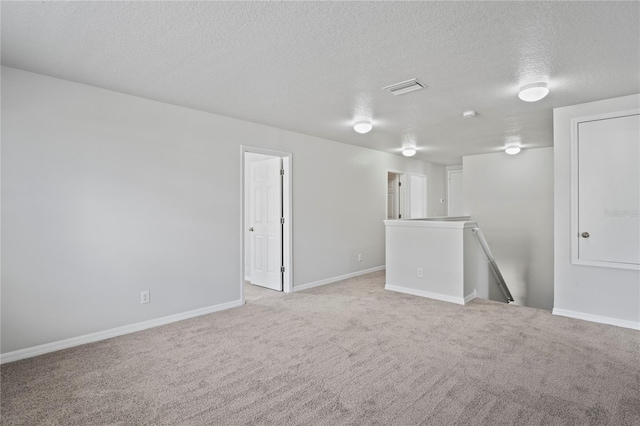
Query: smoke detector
405	87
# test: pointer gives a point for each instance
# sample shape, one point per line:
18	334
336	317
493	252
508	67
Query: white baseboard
428	294
597	318
470	297
114	332
336	279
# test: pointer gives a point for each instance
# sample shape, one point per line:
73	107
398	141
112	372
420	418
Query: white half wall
511	198
598	294
105	195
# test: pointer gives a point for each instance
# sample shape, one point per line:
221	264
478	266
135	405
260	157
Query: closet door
607	231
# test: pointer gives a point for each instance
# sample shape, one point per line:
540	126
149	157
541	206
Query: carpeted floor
348	353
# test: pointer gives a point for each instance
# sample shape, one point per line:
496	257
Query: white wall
594	293
511	198
439	260
339	196
105	195
437	250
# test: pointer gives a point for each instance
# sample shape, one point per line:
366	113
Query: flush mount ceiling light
404	87
363	126
512	150
409	146
469	114
533	92
409	149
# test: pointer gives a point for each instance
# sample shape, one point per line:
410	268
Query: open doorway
395	195
266	222
406	195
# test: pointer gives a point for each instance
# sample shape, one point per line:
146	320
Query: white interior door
455	190
609	190
417	196
265	212
394	195
391	204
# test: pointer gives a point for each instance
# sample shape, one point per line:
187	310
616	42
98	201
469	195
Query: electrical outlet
360	257
420	273
145	297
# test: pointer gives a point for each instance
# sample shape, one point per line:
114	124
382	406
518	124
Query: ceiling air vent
405	87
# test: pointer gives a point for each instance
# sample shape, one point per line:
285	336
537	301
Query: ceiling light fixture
469	114
409	147
363	126
512	150
533	92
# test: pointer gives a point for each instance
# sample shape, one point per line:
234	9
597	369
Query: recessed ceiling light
533	92
512	150
363	126
409	152
469	114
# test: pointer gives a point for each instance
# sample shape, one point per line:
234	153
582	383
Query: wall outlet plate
145	297
420	273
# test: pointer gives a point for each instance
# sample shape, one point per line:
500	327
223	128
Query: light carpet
349	353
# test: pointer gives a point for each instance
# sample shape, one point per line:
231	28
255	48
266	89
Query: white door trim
575	220
402	207
287	231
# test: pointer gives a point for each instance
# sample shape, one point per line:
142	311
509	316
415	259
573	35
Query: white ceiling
316	67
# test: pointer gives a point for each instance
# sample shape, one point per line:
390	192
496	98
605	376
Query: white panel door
393	199
265	225
609	190
455	189
417	196
391	205
394	195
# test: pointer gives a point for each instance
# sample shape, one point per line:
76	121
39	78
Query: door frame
287	212
575	214
401	193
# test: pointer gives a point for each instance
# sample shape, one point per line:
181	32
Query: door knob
251	229
585	235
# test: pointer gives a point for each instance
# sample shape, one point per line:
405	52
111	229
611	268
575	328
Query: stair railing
477	232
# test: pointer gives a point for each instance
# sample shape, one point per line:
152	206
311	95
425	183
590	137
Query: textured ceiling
316	67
